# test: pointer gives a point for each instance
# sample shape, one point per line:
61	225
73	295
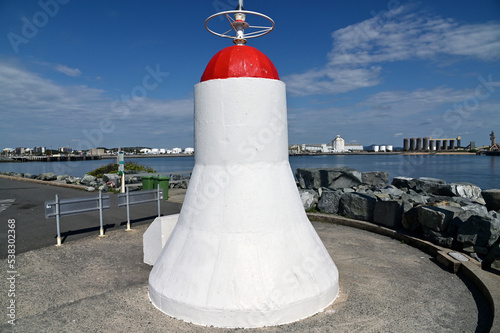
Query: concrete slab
156	236
100	284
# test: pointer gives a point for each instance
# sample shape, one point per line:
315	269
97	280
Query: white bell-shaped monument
243	252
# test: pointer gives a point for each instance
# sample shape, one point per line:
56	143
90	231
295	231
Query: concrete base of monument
155	238
242	280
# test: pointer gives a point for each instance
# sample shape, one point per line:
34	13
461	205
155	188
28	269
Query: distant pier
53	158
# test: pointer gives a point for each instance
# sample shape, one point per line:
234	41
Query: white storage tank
376	148
383	148
339	144
390	148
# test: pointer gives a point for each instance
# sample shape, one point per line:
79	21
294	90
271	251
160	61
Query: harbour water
484	171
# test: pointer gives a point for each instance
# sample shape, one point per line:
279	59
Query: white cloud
68	71
417	101
359	50
35	108
332	80
391	115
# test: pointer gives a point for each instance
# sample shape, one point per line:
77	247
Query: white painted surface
338	144
243	253
156	236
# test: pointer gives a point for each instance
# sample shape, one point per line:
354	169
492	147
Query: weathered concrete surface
100	284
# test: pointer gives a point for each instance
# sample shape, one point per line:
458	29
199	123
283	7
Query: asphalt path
23	202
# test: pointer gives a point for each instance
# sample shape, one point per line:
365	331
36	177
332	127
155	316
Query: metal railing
74	206
127	199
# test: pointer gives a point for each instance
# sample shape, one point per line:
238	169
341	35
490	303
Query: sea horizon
480	170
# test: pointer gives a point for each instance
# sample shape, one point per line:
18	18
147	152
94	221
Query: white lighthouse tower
243	252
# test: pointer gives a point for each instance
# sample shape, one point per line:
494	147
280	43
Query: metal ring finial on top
239	24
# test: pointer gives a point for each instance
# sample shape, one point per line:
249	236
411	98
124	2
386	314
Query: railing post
128	211
158	195
59	243
101	231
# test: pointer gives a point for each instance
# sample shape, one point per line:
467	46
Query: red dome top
239	61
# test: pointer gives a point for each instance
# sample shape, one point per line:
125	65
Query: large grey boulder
464	190
62	178
309	198
375	178
88	180
414	198
73	180
439	238
476	209
463	202
437	218
132	179
493	258
315	178
388	213
410	220
16	174
428	185
115	179
30	176
482	231
329	201
358	206
404	182
48	176
392	191
104	188
492	199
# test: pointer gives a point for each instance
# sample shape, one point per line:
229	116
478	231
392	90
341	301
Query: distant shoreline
110	157
392	153
405	153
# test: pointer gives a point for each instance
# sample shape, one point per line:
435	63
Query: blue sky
121	73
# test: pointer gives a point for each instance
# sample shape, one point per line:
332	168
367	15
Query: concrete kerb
45	182
487	283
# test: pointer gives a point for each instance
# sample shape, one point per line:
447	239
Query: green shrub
113	168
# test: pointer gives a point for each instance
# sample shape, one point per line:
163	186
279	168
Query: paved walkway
24	201
100	285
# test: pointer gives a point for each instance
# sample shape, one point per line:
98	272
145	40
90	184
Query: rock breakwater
459	216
